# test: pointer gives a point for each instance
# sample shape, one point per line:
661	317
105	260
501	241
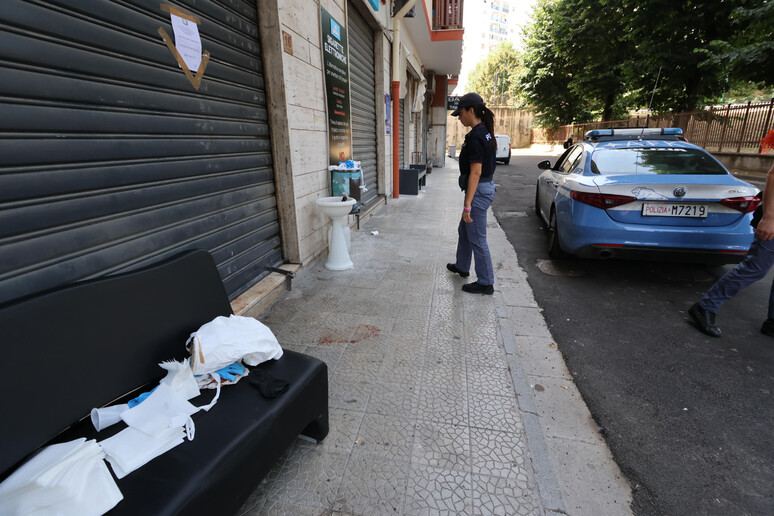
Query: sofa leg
317	429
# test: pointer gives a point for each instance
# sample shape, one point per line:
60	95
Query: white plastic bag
226	340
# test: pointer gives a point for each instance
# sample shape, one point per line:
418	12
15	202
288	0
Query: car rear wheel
507	160
554	248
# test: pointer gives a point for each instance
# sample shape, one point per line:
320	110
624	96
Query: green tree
494	78
748	52
545	79
675	37
748	92
590	59
594	37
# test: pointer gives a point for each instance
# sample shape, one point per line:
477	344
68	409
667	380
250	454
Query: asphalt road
689	418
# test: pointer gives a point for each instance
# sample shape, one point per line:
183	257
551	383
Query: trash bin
452	151
347	182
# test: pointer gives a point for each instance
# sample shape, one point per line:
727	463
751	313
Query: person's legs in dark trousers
754	267
464	249
476	233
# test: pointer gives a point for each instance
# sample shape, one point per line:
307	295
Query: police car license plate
698	211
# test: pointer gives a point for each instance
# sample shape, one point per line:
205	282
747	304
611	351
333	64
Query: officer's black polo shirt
478	148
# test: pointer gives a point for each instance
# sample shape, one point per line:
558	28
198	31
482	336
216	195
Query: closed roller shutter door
402	136
111	160
363	99
413	134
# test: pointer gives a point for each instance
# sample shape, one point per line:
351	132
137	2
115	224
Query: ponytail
487	116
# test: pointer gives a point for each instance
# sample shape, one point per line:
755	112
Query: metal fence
732	128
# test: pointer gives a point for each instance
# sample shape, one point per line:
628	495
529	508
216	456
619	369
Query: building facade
489	23
118	151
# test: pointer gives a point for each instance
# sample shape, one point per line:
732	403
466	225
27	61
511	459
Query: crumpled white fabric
226	340
62	480
162	409
179	379
156	425
130	448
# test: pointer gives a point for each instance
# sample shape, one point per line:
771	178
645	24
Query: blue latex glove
230	372
139	399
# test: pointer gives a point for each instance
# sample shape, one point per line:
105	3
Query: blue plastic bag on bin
340	184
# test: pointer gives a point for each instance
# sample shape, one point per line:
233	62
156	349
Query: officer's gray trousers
472	236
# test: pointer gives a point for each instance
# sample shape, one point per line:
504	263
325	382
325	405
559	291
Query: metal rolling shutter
413	137
110	159
363	104
402	136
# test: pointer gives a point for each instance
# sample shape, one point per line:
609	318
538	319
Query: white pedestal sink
338	247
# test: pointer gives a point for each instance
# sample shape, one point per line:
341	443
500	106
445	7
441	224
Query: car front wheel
554	248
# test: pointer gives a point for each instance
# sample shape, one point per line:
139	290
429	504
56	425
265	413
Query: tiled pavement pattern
424	418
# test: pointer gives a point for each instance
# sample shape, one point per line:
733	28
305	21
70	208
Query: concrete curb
548	485
574	469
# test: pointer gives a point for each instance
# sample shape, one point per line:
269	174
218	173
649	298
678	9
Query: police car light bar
633	131
599	132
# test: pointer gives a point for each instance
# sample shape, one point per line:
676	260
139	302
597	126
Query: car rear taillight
602	201
741	204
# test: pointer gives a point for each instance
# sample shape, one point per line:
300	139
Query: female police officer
477	165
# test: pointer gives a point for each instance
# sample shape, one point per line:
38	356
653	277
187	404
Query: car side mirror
544	165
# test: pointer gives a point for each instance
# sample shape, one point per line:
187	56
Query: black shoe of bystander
704	320
768	327
453	268
477	288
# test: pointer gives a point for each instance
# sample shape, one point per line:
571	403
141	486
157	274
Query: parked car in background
644	193
503	148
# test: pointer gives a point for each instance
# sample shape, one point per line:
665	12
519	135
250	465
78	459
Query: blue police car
644	194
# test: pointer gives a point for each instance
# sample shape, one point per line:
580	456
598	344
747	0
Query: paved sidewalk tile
424	415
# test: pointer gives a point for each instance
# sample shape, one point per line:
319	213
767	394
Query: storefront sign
452	102
336	70
374	4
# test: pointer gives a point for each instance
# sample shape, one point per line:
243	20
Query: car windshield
654	160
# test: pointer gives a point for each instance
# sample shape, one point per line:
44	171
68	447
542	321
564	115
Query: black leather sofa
98	342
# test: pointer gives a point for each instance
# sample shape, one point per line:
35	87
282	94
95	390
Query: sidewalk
441	402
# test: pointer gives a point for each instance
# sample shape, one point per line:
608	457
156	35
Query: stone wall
304	115
751	163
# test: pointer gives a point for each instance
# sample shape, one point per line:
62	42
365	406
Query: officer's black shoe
704	320
768	327
453	268
477	288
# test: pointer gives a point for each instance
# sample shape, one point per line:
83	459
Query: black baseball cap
467	101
